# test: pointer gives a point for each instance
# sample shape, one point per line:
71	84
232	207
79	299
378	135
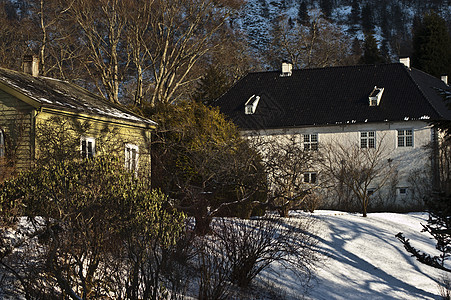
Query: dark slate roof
335	95
61	95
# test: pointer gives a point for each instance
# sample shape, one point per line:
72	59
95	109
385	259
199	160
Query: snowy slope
366	261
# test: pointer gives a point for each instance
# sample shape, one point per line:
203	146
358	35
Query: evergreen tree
326	7
371	52
354	17
432	46
303	17
212	85
367	18
439	224
356	48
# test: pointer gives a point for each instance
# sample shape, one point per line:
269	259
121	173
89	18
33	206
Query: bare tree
363	170
317	44
181	32
288	167
103	23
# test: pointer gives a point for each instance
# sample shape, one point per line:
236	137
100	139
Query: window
87	147
368	139
405	138
310	177
370	192
131	157
402	191
311	141
2	144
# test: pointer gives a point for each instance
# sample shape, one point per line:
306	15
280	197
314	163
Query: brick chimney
31	65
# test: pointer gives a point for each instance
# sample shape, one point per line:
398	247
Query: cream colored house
35	111
368	106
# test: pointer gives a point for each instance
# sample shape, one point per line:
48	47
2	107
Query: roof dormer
375	96
251	105
287	69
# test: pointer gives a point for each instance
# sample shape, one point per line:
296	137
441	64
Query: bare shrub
252	246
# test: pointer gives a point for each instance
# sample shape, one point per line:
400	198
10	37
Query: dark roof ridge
420	88
324	68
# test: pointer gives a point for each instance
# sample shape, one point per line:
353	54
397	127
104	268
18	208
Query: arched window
2	143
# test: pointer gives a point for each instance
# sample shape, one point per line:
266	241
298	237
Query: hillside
391	20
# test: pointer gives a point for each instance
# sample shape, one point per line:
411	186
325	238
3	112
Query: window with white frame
310	177
367	139
311	141
405	138
131	157
2	144
87	147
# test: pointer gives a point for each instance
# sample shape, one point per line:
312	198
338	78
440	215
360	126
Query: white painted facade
413	164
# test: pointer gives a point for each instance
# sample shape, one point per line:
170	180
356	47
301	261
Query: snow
364	260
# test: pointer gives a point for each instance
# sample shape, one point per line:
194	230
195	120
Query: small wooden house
41	116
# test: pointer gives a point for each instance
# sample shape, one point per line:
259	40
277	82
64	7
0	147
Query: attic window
251	105
286	69
375	96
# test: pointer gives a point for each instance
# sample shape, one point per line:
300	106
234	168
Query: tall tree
318	44
303	17
371	52
367	18
432	45
181	33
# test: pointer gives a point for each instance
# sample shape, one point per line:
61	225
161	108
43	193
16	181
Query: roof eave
145	125
19	95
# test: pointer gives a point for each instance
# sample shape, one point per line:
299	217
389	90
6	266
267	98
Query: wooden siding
111	137
16	121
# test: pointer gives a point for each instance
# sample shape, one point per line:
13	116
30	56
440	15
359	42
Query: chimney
286	69
31	65
405	61
445	78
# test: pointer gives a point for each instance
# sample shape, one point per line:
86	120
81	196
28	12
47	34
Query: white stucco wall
413	164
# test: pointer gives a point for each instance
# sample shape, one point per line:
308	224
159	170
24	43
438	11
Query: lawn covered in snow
364	260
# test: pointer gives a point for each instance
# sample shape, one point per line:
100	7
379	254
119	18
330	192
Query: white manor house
368	106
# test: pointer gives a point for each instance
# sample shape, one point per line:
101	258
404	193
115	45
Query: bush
251	246
94	231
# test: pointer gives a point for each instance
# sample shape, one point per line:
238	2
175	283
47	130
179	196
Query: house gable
40	101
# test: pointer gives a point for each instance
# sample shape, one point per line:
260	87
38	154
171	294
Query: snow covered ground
366	261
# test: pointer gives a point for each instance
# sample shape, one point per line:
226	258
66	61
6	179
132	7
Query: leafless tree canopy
360	169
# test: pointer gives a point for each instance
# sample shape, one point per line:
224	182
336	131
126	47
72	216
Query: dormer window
375	96
251	105
286	69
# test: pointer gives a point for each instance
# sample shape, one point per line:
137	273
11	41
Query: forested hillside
391	21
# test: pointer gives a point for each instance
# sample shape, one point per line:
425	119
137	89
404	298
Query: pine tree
439	224
326	7
303	17
212	85
354	17
371	52
367	18
432	46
